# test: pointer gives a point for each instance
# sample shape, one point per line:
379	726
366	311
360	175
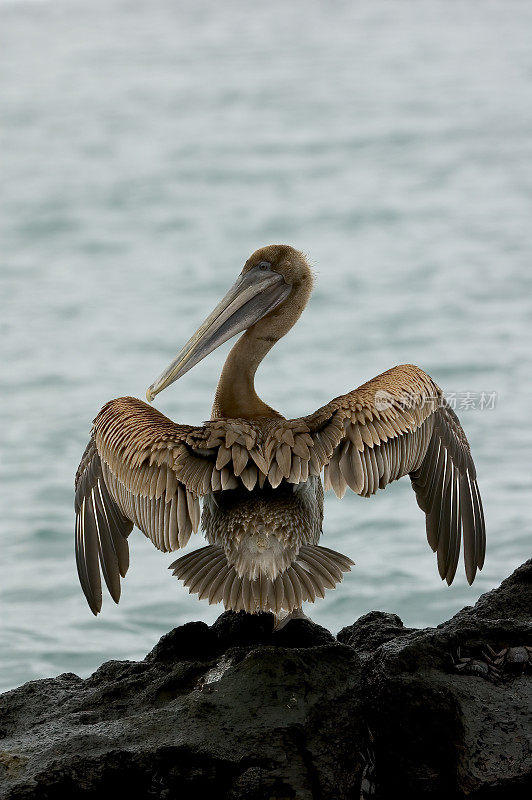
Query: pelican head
267	298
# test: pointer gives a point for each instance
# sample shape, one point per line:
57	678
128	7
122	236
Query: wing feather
90	576
106	550
455	534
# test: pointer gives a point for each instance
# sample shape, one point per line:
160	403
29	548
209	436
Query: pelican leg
284	618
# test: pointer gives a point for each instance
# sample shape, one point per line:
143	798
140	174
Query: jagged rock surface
236	711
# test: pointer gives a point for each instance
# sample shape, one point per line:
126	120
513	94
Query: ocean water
146	148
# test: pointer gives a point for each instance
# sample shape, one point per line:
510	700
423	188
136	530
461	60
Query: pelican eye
264	265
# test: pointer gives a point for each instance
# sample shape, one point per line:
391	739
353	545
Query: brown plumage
258	474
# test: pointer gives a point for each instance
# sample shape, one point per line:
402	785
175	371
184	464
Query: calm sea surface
146	148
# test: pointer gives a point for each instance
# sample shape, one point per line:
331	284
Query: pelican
257	474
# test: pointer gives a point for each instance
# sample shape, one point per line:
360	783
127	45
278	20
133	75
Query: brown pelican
259	474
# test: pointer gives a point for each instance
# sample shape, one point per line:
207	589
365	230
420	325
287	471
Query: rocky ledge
237	711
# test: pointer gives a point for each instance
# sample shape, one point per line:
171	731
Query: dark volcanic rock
237	711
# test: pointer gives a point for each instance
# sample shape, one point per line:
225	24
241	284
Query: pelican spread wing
127	477
399	424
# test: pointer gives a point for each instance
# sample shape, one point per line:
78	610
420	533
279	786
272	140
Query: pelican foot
281	621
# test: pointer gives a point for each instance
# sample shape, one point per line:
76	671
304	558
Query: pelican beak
255	294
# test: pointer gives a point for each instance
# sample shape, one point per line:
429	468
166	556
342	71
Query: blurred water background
146	149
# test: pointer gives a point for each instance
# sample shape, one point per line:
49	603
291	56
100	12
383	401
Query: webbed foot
282	620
